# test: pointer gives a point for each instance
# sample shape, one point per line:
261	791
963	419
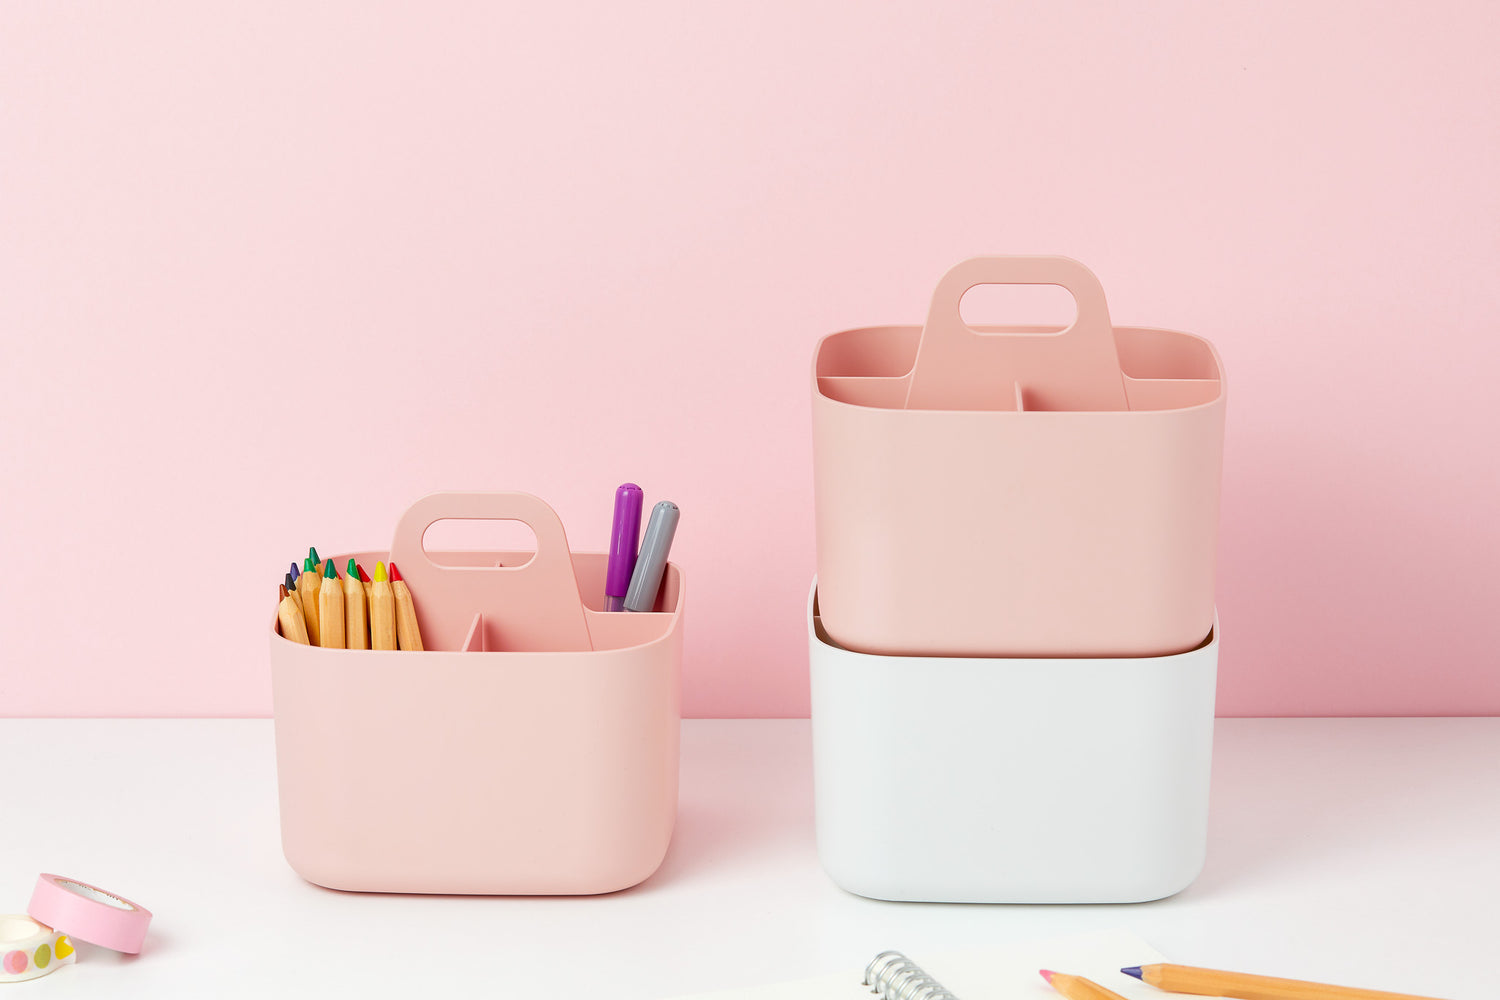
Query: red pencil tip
1047	974
363	576
395	573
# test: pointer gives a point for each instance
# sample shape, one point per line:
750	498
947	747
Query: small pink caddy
533	749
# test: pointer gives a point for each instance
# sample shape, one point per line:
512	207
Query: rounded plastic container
1014	780
533	749
1017	492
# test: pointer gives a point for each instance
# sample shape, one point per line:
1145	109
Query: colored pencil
289	617
307	592
408	633
1208	982
1078	988
296	571
356	611
382	611
331	609
364	579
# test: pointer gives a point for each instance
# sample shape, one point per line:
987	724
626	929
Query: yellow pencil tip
380	572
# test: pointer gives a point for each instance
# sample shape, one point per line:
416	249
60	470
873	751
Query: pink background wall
272	271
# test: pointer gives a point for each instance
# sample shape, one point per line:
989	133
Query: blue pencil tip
1134	970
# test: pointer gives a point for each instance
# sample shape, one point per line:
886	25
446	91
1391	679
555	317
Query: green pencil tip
353	570
380	572
329	572
307	564
312	554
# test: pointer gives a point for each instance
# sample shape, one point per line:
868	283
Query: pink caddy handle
534	607
958	368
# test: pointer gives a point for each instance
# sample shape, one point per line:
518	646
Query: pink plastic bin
1016	491
531	750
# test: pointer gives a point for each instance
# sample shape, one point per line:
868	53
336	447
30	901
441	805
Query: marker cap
652	563
624	536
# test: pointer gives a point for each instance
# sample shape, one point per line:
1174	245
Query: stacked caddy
1012	633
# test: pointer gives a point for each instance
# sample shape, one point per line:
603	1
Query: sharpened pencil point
1134	970
380	572
307	565
1047	974
352	570
312	554
329	571
395	573
363	576
295	571
289	583
282	596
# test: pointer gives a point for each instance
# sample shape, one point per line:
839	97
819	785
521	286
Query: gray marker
652	562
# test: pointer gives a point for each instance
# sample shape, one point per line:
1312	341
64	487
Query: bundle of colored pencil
319	608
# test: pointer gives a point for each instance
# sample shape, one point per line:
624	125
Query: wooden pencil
382	611
331	609
289	617
364	579
356	611
1078	988
1208	982
408	633
307	591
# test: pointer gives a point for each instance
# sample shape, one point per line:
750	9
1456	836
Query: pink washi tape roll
89	913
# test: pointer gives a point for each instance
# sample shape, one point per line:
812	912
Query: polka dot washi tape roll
29	950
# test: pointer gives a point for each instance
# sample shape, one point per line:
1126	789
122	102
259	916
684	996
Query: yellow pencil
1207	982
356	614
382	611
289	617
408	634
307	591
1078	988
331	609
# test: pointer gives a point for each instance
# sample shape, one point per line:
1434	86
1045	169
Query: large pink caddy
1017	492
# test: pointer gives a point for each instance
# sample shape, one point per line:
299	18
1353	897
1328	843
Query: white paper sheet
1005	972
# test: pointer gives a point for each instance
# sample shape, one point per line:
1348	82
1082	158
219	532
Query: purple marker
624	538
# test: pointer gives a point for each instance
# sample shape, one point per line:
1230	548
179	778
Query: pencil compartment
1011	780
531	749
1013	490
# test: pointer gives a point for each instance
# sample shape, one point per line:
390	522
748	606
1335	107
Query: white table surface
1362	851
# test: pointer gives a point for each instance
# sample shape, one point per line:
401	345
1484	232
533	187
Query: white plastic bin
1011	780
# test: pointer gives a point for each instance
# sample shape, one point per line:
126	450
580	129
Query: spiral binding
893	976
